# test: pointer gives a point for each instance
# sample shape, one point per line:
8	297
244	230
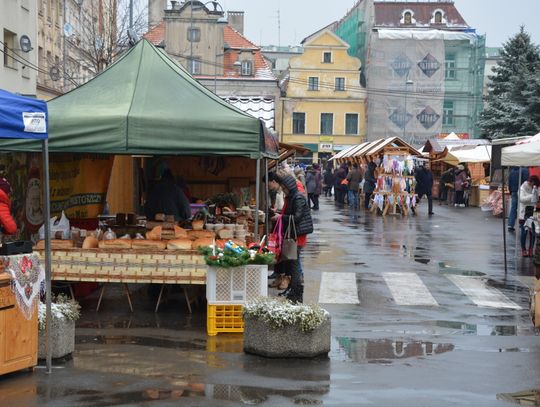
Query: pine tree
510	111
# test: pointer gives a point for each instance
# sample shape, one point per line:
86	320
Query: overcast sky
498	19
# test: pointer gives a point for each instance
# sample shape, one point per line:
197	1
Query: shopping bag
59	228
275	238
289	247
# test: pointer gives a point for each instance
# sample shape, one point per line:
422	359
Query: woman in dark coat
339	189
328	181
314	186
296	207
369	183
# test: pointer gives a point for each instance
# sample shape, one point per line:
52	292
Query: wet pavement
463	337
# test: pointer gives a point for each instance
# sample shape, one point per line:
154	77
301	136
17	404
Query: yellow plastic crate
224	318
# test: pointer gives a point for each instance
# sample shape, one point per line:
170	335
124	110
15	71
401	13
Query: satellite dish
54	73
25	43
68	30
133	37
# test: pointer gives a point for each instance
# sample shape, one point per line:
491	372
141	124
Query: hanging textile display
27	280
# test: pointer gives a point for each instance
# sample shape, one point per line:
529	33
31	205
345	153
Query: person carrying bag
289	247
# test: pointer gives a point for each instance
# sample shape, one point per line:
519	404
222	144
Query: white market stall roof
374	147
468	154
521	155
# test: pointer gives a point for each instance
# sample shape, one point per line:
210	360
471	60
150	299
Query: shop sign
326	139
325	147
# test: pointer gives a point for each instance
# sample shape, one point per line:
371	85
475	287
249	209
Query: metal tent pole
48	262
504	226
257	201
267	199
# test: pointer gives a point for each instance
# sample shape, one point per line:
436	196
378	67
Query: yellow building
324	107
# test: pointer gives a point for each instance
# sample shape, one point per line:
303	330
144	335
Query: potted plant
64	311
277	328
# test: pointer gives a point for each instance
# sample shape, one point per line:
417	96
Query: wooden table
18	336
165	267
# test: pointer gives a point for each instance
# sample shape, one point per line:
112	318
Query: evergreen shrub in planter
280	329
64	313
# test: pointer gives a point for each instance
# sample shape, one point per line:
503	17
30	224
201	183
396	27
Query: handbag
345	182
289	247
275	238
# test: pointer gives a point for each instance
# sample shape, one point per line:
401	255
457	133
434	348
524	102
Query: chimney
236	20
156	12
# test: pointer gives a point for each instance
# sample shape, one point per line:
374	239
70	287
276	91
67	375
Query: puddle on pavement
383	351
140	340
240	394
418	254
480	329
446	269
524	398
513	286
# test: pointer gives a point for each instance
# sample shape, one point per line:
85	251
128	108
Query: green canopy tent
146	103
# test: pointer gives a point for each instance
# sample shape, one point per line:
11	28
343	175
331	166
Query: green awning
146	103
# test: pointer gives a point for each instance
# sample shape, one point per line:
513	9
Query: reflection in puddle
524	398
140	340
479	329
384	350
258	395
418	254
446	269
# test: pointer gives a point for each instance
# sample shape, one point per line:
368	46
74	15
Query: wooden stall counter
18	336
183	267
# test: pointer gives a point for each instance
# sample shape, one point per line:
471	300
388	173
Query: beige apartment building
18	25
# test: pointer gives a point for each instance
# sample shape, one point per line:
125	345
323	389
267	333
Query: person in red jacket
7	223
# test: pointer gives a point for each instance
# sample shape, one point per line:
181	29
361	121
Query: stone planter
62	339
286	342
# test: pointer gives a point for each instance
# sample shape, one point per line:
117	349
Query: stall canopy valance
22	117
146	103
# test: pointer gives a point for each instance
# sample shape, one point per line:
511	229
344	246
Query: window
313	83
351	123
340	84
407	17
450	67
448	113
247	68
327	57
327	123
195	67
194	35
438	17
9	46
299	123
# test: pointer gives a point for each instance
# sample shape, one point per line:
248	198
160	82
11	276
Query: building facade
76	40
18	25
212	47
324	103
278	57
424	67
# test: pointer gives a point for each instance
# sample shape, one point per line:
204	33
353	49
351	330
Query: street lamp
408	82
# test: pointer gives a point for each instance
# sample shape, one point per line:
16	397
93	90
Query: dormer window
247	68
407	17
438	17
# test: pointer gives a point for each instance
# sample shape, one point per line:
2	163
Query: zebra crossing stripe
480	294
408	289
338	288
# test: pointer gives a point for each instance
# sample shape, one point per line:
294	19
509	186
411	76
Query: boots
284	283
277	281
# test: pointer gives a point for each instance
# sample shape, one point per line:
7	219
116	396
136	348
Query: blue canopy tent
25	118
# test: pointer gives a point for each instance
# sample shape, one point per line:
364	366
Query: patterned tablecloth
27	280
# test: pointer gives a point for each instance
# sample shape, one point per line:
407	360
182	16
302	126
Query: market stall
395	172
143	107
21	276
525	154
